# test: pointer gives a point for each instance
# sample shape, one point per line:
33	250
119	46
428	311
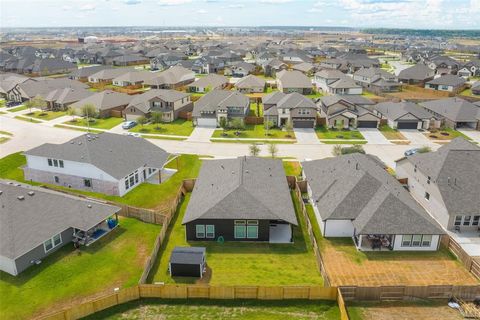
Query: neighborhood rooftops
448	80
241	188
104	100
220	99
117	155
357	187
142	101
455	109
395	110
293	79
418	72
30	215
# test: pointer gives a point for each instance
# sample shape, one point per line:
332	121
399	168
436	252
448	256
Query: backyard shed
187	262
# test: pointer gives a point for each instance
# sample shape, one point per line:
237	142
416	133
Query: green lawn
292	168
325	133
254	110
446	134
179	309
147	136
28	119
46	115
391	134
314	95
145	195
102	123
178	127
116	260
16	109
254	132
3	139
243	263
77	128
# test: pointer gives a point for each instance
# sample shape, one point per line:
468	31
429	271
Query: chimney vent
31	193
20	198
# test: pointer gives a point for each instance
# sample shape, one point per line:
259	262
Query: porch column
360	237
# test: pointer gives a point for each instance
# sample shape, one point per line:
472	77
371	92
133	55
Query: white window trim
196	231
53	243
206	233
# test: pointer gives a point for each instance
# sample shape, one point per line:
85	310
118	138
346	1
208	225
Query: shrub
353	149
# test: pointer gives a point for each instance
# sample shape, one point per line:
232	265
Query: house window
427	195
406	240
53	242
132	180
127	186
55	162
87	183
426	240
240	229
466	220
50	163
60	162
210	231
136	177
57	179
252	229
416	240
458	220
475	220
200	231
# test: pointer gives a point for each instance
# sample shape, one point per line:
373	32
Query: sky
424	14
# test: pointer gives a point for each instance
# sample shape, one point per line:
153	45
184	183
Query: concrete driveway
201	134
373	136
472	134
306	136
416	137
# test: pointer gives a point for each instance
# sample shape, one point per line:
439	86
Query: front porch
90	236
374	242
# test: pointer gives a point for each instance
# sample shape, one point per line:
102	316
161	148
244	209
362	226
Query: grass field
77	128
445	134
6	133
17	109
244	263
103	123
324	133
292	168
176	309
254	110
254	132
116	260
391	134
178	127
46	115
32	120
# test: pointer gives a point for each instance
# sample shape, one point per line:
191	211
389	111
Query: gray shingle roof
448	80
171	76
188	255
68	95
395	110
212	80
117	155
357	187
104	100
142	101
27	223
241	188
417	72
220	99
293	79
455	169
350	98
250	81
296	100
455	109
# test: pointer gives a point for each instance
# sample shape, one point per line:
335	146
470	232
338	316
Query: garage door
207	122
303	123
407	125
367	124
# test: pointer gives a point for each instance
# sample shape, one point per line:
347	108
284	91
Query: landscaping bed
244	263
179	309
32	120
445	134
46	115
178	127
325	133
102	123
116	260
257	131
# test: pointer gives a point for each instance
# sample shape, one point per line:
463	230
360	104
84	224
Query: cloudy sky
438	14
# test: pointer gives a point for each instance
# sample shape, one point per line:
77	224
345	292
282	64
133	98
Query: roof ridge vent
89	206
31	193
21	198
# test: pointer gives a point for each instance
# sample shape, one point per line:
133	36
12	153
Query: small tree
72	112
337	150
88	111
223	124
268	124
254	150
156	119
273	149
289	128
36	102
142	120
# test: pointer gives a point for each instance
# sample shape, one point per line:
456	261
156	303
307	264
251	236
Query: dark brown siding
225	229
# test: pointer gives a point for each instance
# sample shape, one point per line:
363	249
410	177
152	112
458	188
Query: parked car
128	125
410	152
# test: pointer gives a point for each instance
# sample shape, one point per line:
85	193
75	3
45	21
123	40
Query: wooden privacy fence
341	306
472	264
253	120
91	306
389	293
440	94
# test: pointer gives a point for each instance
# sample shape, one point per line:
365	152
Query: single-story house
448	82
106	76
36	222
446	183
60	99
336	82
354	196
240	69
214	105
34	87
376	80
345	111
454	112
405	115
171	78
132	78
82	74
417	74
107	103
305	67
168	102
130	60
107	163
293	81
281	108
250	84
242	199
210	82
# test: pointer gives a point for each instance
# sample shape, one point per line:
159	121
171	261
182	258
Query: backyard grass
46	115
468	93
391	134
244	263
178	127
27	119
116	260
77	128
146	195
254	110
325	133
257	131
445	134
292	168
16	109
345	265
179	309
314	95
102	123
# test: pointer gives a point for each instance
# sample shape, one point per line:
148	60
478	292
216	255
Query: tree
268	124
88	111
273	149
72	112
237	124
142	120
223	124
337	150
156	119
254	150
36	102
289	128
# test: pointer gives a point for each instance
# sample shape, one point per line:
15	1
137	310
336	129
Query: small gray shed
187	262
